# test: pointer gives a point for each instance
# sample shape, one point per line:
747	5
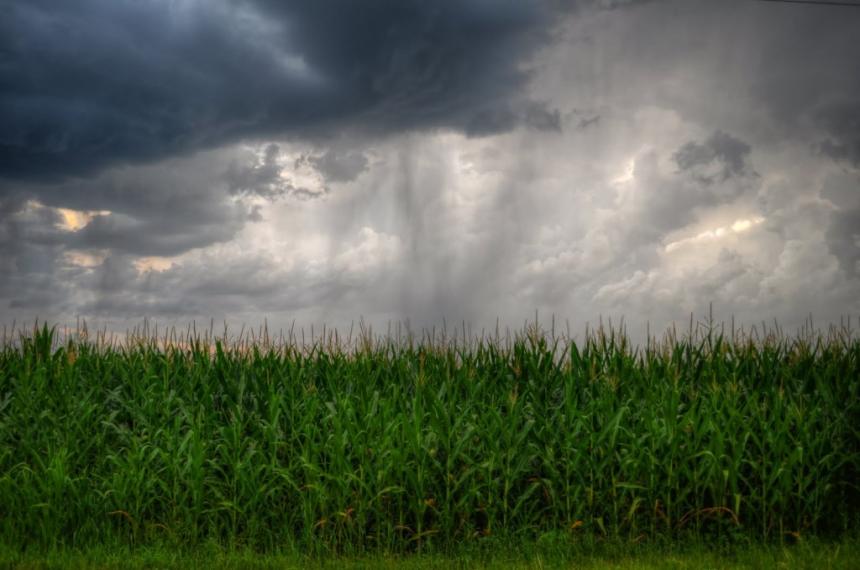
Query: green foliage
814	555
400	446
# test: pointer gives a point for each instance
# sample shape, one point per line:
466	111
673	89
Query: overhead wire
817	2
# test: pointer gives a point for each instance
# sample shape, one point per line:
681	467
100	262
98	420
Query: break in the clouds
468	160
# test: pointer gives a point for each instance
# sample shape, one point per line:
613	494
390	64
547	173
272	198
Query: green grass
815	555
370	447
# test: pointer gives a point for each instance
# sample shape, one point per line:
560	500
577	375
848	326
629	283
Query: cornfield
400	444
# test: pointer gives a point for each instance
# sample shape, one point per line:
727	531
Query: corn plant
350	444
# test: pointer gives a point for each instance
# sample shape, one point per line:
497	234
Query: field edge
817	554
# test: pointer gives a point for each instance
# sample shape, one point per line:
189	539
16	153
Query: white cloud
370	253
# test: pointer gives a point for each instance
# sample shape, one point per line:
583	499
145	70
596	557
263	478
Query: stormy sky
325	161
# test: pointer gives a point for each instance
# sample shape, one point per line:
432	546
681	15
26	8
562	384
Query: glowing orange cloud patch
157	264
74	220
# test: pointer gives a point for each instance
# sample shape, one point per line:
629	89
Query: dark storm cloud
805	71
728	152
614	4
841	122
264	179
806	76
207	286
87	84
160	237
843	237
710	173
586	122
116	289
27	242
339	166
783	71
163	209
843	233
29	252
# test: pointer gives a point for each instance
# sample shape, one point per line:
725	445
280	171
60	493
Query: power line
817	2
